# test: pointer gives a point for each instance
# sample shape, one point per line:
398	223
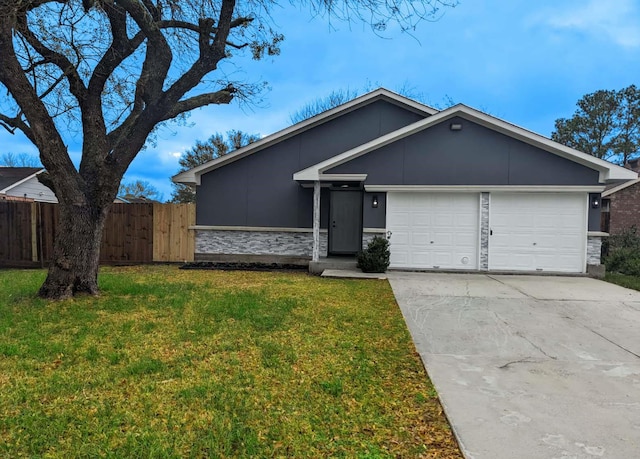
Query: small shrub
375	258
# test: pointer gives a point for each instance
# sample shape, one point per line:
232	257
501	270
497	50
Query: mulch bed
231	266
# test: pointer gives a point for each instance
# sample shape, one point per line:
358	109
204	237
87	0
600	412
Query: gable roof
11	177
192	176
619	187
607	170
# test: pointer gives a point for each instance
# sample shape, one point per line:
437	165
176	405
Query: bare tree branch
69	70
224	96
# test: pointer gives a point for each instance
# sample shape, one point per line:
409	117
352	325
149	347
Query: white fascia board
620	187
607	170
485	188
20	182
342	177
323	178
192	176
186	177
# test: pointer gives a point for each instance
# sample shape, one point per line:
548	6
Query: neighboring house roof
11	177
130	199
619	187
192	176
607	170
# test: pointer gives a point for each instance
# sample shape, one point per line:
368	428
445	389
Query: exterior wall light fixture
595	202
455	126
374	202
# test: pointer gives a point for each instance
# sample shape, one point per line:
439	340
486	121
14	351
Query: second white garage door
433	230
538	232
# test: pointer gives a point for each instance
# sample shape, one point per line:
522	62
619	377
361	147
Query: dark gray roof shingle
12	175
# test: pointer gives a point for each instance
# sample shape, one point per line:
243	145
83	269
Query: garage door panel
401	237
401	217
556	262
538	231
443	222
402	257
420	240
545	222
420	219
442	230
517	262
441	237
419	258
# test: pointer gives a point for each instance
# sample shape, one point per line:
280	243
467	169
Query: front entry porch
332	262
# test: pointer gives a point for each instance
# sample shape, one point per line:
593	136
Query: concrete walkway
530	366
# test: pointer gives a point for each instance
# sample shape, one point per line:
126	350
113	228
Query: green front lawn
624	280
170	363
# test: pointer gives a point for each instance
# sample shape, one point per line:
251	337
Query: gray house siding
474	156
374	218
594	214
258	190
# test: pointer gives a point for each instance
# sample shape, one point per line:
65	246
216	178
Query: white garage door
538	232
433	230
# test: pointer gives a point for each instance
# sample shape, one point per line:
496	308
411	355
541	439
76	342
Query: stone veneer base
594	250
261	243
227	245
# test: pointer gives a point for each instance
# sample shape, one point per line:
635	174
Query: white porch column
316	221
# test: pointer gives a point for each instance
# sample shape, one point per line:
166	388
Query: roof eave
607	171
192	176
21	181
620	187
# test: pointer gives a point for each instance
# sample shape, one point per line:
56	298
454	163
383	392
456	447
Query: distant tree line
606	125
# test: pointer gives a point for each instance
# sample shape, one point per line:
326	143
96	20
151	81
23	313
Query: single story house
21	184
455	189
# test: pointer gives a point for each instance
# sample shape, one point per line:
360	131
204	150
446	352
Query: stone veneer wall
367	237
594	248
301	243
484	231
242	242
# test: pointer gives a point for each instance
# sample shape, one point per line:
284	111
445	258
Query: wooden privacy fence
133	233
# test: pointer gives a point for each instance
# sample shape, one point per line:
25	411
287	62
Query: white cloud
618	21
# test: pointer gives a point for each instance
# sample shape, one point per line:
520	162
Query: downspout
315	256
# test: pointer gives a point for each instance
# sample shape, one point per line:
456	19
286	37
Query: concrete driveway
530	366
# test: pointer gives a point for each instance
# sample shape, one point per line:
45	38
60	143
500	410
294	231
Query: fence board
47	228
15	231
134	233
172	239
128	234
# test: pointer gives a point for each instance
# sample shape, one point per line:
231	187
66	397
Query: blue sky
525	61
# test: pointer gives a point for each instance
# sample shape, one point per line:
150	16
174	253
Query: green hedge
623	252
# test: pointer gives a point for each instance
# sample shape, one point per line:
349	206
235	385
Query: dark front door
345	223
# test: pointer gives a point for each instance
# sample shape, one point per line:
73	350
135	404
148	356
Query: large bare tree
111	71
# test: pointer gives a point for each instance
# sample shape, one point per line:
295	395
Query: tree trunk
74	268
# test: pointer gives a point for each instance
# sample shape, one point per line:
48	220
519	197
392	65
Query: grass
171	364
632	282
